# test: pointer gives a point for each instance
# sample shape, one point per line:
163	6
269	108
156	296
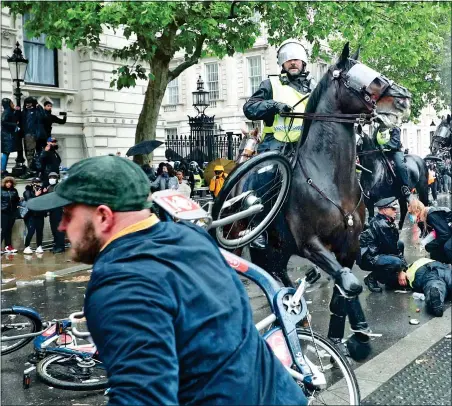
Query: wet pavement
387	313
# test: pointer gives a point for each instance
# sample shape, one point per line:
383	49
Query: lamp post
18	67
201	126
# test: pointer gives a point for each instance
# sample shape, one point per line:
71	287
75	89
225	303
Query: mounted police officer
279	94
381	250
390	139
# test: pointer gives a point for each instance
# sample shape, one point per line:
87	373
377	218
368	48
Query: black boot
435	306
372	283
406	193
260	242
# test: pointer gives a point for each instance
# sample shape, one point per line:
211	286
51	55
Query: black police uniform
381	250
396	154
440	220
55	216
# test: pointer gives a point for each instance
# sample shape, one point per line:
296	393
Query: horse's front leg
343	302
403	212
370	208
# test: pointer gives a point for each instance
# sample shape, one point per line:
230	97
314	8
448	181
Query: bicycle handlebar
73	318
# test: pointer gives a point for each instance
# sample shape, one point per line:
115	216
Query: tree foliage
407	41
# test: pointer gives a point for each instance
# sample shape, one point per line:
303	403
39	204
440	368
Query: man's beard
87	249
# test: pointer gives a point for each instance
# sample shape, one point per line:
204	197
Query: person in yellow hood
217	181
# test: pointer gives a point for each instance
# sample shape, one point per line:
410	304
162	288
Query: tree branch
189	62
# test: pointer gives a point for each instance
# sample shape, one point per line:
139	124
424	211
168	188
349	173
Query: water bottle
430	237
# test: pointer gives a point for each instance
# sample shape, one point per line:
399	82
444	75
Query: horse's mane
314	98
313	101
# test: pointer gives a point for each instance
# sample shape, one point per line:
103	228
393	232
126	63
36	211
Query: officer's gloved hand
349	282
282	107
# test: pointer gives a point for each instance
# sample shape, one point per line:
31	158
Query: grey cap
390	202
53	174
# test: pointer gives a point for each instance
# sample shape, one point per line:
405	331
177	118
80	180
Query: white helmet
291	49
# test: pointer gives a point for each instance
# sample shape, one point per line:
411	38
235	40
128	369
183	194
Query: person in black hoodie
50	119
438	219
49	160
32	123
34	220
10	200
10	118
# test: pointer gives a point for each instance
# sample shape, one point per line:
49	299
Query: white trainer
28	250
39	250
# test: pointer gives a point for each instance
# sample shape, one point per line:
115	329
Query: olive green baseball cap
105	180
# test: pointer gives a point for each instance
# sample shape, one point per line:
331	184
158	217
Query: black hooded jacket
380	238
261	106
32	120
10	118
440	220
49	119
10	200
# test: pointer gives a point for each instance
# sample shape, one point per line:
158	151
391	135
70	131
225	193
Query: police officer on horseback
395	146
279	94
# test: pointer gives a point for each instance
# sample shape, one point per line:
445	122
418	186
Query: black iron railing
201	147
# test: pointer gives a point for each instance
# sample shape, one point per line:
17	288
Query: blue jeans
4	161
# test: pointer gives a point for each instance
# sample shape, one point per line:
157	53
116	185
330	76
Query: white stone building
102	120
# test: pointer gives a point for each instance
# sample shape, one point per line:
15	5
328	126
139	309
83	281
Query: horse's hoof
359	350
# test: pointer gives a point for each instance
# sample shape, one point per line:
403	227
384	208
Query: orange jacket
217	183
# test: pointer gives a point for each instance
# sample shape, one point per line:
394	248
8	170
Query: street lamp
200	97
18	67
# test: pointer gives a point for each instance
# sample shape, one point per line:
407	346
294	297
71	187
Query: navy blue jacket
173	324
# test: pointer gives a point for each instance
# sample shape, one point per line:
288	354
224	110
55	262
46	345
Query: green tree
403	40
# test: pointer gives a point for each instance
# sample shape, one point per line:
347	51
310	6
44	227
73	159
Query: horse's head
364	90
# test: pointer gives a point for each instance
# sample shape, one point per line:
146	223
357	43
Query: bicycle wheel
341	386
72	372
15	323
264	179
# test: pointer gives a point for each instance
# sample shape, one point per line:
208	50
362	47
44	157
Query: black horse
441	143
324	213
382	183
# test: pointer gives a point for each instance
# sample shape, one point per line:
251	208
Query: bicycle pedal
312	276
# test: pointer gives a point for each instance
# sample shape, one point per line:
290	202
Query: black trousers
8	220
444	253
401	168
433	275
34	224
55	217
434	189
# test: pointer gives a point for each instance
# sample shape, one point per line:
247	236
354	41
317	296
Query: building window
170	132
320	71
405	137
212	81
42	62
419	142
254	72
173	92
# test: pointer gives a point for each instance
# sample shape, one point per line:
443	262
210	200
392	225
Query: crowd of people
29	130
440	178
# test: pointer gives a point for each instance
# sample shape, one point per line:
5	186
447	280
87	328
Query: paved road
387	313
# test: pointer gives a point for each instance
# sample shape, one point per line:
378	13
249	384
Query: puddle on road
26	267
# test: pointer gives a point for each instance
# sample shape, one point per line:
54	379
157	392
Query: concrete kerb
380	369
67	271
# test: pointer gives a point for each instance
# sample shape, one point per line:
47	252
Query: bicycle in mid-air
315	363
61	361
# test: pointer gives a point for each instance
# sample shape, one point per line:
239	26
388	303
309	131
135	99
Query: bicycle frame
287	305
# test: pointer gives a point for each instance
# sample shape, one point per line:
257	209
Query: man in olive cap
381	250
171	320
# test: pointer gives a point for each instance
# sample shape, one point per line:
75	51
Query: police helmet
291	49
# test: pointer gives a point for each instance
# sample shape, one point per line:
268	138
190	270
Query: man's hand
47	148
282	107
402	278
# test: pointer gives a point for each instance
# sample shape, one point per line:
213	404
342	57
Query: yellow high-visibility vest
198	180
411	271
280	128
